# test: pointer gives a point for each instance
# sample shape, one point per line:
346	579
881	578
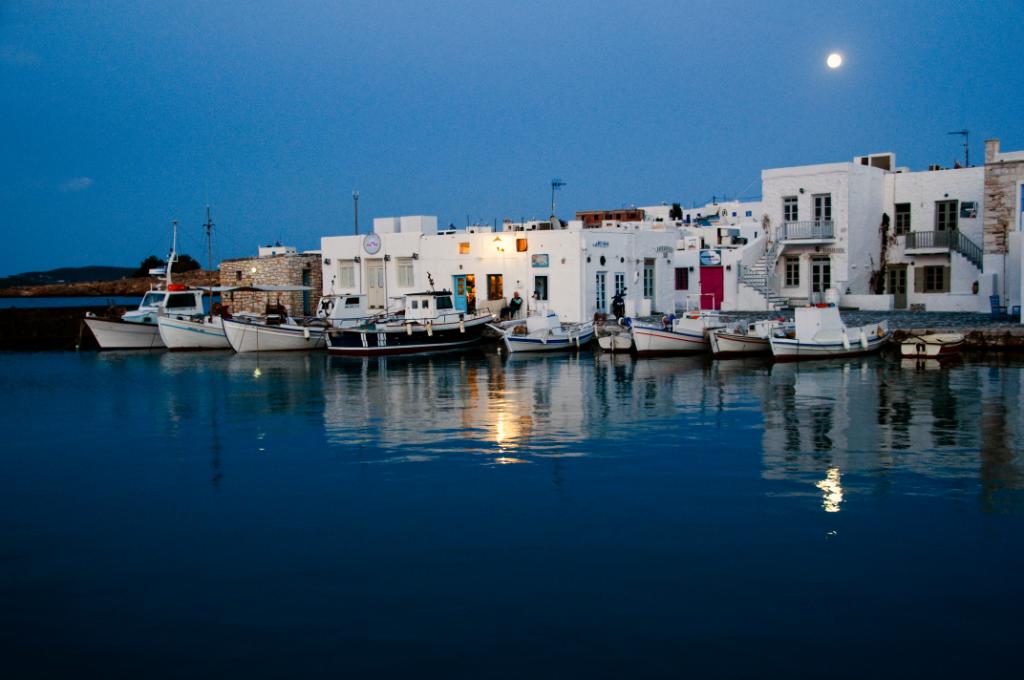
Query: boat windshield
444	302
152	300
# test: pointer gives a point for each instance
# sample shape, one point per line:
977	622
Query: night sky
120	116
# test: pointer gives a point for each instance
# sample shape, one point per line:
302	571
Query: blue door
459	293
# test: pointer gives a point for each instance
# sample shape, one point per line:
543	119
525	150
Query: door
376	295
945	215
822	208
896	285
712	287
821	274
600	297
649	280
459	293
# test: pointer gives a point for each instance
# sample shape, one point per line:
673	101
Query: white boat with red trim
744	339
687	334
819	333
543	333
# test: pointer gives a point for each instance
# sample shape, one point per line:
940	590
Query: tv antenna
966	134
355	204
556	184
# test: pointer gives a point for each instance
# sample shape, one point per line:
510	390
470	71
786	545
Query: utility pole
209	253
966	134
355	203
555	185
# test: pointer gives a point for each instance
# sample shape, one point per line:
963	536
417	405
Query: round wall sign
371	244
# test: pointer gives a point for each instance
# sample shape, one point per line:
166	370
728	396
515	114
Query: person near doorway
513	307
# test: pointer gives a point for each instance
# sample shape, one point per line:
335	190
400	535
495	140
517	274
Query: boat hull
186	334
650	340
927	348
527	344
619	342
250	337
788	349
117	334
736	345
393	340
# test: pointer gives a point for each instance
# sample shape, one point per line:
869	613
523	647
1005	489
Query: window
426	304
405	275
152	300
682	278
347	275
968	210
464	248
495	290
934	279
792	272
620	283
945	215
822	208
238	275
649	278
415	304
600	301
180	300
521	245
444	302
902	225
790	213
749	213
540	287
821	274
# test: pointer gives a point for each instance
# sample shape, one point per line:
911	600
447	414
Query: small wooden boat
744	339
687	334
614	337
543	333
932	345
819	333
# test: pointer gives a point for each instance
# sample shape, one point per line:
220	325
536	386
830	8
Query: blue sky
119	116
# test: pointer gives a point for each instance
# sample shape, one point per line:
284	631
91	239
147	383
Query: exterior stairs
760	277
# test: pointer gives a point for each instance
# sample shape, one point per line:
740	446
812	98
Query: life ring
327	306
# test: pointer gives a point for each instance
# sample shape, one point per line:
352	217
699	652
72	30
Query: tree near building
184	263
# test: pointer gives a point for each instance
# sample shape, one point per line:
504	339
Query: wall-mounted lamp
387	258
691	268
415	256
497	239
357	259
253	270
801	190
728	267
327	262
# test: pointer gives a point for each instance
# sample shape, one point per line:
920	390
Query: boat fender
430	328
863	339
408	328
846	341
921	349
462	326
305	333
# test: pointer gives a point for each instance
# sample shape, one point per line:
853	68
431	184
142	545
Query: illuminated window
464	248
495	289
520	245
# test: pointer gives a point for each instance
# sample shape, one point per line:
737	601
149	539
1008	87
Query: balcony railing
945	240
808	231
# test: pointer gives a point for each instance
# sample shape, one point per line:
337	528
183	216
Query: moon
835	60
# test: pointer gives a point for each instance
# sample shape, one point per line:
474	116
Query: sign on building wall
710	258
539	260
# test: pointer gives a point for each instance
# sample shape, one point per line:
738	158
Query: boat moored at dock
932	345
543	333
687	334
819	333
744	339
430	323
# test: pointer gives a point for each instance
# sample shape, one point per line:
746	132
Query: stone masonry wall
275	270
1001	181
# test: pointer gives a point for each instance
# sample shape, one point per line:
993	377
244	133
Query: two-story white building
567	268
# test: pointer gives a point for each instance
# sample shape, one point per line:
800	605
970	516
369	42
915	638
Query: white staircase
760	277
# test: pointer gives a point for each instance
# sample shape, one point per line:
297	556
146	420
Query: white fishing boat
255	334
543	333
687	334
819	333
614	337
744	339
138	329
932	345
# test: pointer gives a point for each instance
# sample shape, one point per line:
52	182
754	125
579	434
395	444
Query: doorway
376	295
459	293
306	280
712	287
896	284
821	274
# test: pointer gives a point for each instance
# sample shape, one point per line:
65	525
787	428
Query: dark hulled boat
429	324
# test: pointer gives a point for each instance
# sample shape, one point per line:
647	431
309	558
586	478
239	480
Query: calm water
196	515
86	301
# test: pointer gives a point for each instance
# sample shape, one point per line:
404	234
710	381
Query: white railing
807	231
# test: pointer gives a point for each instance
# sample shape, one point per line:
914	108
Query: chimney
991	150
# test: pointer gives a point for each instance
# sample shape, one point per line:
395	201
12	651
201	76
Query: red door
712	287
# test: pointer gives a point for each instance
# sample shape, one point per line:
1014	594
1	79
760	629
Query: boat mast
209	254
173	254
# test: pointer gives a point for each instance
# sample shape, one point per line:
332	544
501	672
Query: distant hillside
66	275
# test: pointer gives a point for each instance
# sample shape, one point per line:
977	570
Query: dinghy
932	345
543	333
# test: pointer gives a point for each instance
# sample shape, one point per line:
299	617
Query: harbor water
209	514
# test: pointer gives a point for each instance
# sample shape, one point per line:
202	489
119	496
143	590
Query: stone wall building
1004	220
286	269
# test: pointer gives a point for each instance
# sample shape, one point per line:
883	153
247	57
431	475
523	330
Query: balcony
923	242
814	230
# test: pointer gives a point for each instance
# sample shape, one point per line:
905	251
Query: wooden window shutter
945	279
918	279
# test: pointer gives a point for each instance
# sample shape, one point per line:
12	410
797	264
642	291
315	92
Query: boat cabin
177	302
338	308
824	320
430	306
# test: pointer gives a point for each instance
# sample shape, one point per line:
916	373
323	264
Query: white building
566	268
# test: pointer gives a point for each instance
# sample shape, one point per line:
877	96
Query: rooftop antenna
172	257
556	184
355	204
966	135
